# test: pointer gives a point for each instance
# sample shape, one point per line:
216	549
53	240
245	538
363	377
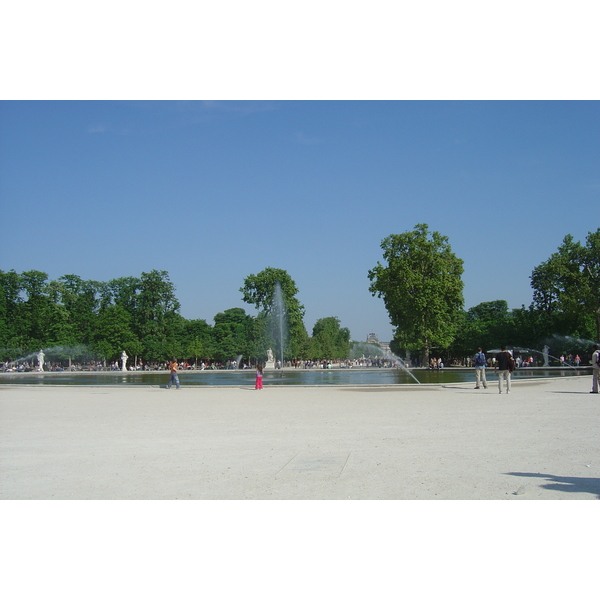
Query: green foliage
113	334
80	300
566	287
421	287
420	283
12	327
232	335
329	340
485	325
259	290
196	339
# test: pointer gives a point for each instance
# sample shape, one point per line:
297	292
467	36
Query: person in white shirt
595	369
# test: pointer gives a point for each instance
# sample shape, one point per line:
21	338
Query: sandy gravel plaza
405	442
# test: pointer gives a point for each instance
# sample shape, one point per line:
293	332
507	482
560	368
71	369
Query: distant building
373	339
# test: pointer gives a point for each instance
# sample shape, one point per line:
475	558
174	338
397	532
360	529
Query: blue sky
214	191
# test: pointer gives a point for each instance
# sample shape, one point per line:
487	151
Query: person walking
595	369
504	366
259	378
174	377
480	363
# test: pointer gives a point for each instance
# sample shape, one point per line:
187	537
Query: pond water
316	377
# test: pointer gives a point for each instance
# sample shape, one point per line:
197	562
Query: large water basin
312	377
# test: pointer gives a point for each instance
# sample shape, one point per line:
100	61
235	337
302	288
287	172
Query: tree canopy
566	287
421	287
75	318
259	290
329	339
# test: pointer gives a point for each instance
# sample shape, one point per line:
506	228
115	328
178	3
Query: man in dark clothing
503	361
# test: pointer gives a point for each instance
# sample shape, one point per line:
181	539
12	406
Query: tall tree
196	339
37	309
566	287
122	291
421	287
81	301
329	340
232	334
158	321
113	334
489	325
11	318
259	290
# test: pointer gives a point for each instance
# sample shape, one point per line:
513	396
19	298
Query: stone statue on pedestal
40	357
270	360
124	358
545	353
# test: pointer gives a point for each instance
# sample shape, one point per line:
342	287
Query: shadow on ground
586	485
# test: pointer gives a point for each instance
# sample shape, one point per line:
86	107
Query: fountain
546	355
369	348
568	339
277	321
400	363
52	353
23	359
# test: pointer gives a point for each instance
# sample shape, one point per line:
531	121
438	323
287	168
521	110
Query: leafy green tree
233	334
226	342
329	339
37	310
81	301
259	290
61	329
157	320
195	349
421	287
122	291
11	318
113	334
196	339
566	287
489	325
527	329
490	322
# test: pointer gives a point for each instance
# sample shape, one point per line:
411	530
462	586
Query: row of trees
420	283
421	286
140	315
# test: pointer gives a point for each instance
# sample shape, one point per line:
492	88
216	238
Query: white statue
270	355
124	358
40	357
545	353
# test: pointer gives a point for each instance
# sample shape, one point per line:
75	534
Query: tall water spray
52	354
375	350
278	322
399	363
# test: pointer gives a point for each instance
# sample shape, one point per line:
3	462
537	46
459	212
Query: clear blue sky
212	192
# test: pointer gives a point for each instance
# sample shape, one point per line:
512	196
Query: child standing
259	378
